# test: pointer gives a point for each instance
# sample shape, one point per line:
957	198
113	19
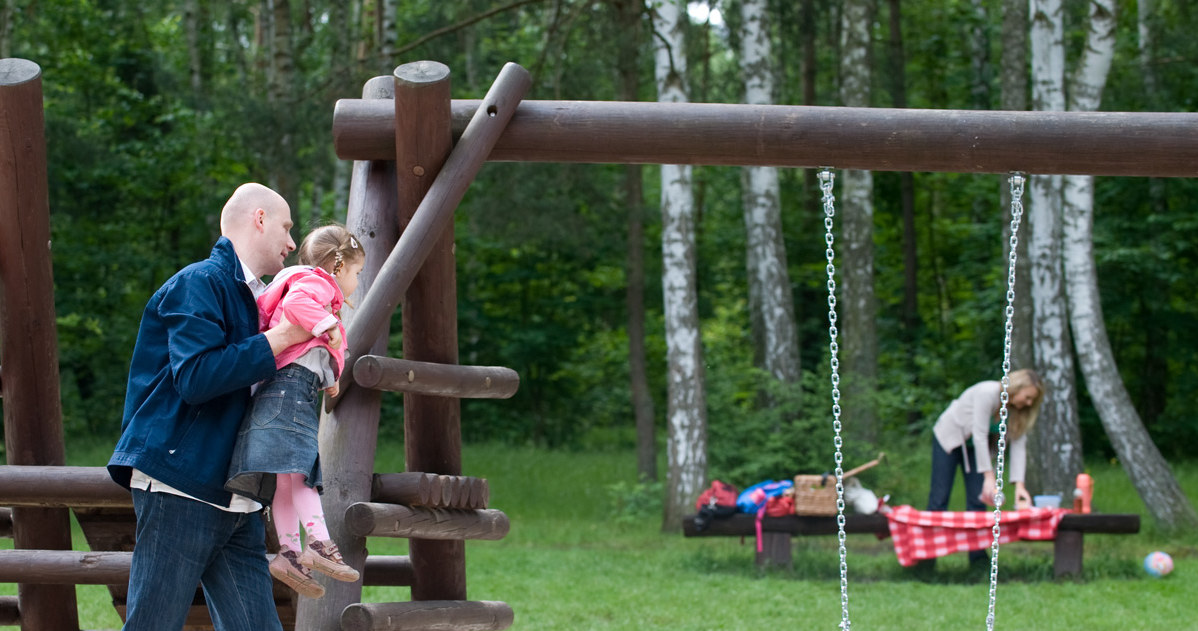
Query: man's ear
259	219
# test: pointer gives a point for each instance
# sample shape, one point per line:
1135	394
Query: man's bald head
258	222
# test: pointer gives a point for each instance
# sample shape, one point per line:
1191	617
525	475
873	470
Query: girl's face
1025	397
347	277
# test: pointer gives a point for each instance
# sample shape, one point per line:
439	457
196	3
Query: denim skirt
278	435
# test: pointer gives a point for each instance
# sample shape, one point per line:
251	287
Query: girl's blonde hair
330	247
1021	421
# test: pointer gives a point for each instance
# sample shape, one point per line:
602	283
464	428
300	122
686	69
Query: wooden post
429	616
349	434
432	427
434	212
33	433
439	380
1158	144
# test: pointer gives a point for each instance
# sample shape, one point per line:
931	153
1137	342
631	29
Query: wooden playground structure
416	150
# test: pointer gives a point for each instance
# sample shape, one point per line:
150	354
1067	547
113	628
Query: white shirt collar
253	282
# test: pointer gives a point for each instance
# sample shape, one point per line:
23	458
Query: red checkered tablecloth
921	534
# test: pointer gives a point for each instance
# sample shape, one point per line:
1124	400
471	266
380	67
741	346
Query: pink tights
294	503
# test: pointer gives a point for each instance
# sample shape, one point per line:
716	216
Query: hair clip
353	243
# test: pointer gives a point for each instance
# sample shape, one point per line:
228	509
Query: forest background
156	111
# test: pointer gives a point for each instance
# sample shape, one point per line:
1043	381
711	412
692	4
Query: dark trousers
944	473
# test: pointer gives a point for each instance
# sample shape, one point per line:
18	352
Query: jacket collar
226	258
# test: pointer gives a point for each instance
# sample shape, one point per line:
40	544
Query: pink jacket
309	297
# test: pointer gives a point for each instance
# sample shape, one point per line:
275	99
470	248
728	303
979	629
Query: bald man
197	354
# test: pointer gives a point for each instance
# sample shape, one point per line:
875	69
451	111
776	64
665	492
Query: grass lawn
573	560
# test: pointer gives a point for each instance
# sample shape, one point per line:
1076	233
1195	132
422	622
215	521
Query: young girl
275	460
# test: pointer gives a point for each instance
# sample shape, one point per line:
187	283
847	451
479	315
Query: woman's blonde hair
329	247
1021	420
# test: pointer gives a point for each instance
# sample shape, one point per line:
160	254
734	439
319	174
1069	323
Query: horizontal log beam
429	489
439	380
46	486
1161	144
428	615
74	567
367	519
10	611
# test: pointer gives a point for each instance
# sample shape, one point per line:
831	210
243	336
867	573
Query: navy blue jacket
198	351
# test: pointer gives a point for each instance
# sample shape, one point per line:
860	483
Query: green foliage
635	502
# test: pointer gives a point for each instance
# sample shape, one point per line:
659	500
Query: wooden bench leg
1067	553
775	550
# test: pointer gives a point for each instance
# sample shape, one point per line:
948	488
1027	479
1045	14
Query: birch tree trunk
1149	472
771	300
628	19
1056	440
687	410
859	335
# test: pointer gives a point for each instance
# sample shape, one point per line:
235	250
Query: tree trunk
1149	472
687	410
195	66
910	309
1014	76
1056	440
771	300
7	10
629	15
858	310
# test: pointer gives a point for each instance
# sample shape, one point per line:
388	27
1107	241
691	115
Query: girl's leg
944	470
321	553
287	566
286	519
308	508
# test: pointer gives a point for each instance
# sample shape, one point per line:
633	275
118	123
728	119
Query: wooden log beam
74	567
429	489
368	519
428	615
33	432
10	611
1160	144
435	212
61	486
433	379
64	567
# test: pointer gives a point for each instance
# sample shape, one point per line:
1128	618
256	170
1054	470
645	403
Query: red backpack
719	494
717	501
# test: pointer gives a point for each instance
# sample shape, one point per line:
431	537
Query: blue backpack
754	498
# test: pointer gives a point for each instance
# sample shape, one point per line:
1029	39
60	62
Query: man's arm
284	335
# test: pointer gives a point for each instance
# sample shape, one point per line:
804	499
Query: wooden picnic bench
777	531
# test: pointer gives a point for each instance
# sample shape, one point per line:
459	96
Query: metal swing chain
826	179
1017	181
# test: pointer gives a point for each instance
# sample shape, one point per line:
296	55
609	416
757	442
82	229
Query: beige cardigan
969	416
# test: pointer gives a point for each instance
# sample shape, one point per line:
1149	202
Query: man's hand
333	390
284	335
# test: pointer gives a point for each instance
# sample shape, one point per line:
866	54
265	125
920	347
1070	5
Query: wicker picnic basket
816	494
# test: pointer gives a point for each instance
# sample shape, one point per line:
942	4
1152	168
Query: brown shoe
287	568
324	557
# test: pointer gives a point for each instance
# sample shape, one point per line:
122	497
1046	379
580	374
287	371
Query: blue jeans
182	543
944	472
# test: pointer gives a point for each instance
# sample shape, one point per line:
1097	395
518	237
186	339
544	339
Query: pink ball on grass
1158	564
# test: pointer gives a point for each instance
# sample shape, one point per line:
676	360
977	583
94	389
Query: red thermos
1083	493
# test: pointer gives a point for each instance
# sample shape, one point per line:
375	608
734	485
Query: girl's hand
1023	499
335	338
333	390
988	488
